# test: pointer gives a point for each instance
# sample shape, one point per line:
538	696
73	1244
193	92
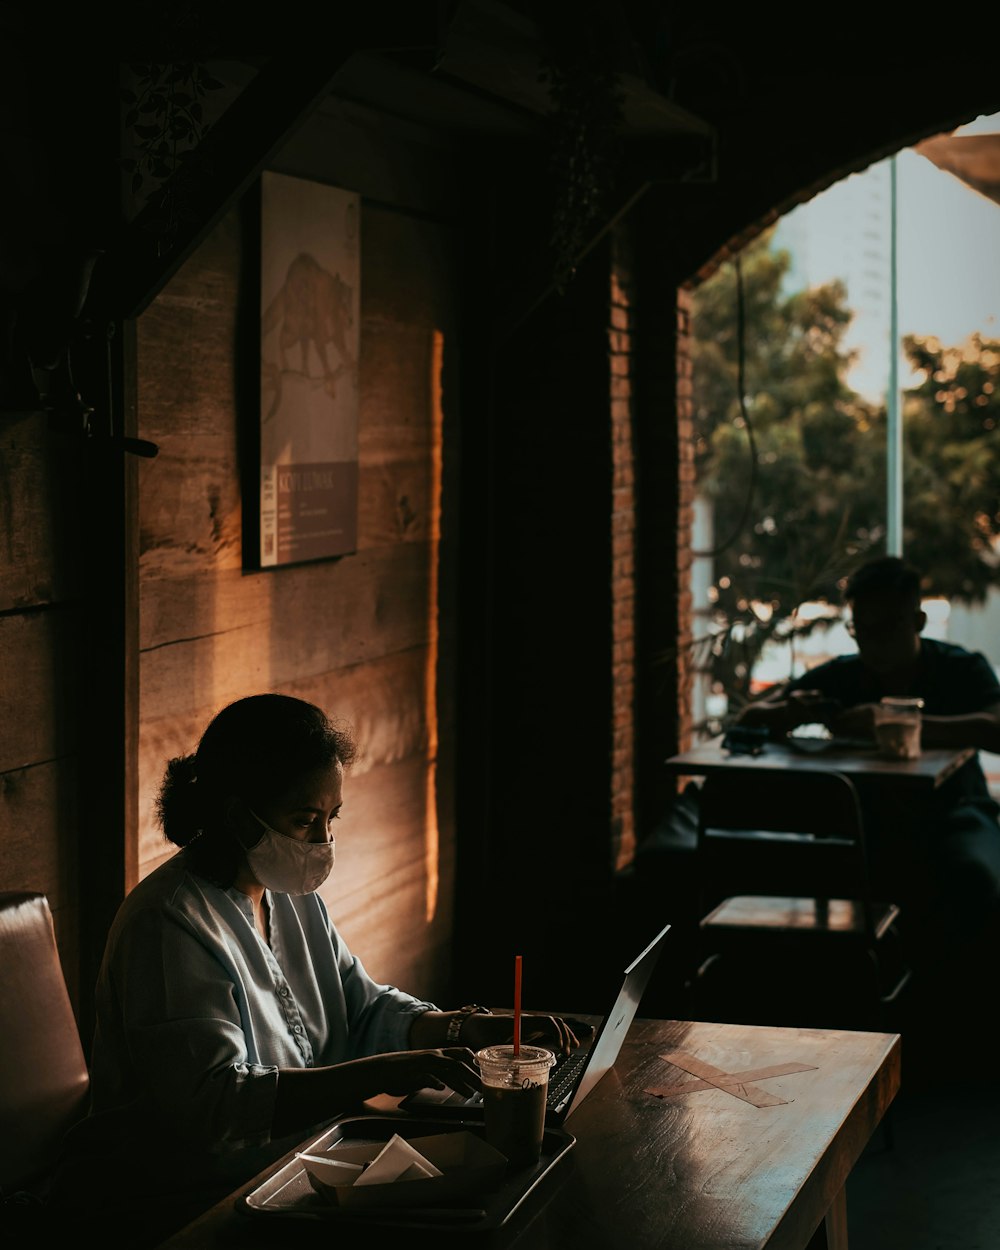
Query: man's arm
974	685
972	729
784	709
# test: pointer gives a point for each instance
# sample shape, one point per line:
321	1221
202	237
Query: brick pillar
651	408
684	671
623	507
664	494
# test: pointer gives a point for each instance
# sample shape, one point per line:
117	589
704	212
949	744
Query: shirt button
283	991
297	1028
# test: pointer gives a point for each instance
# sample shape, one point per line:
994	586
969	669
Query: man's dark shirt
951	681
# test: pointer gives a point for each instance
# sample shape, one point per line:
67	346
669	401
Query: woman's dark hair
255	749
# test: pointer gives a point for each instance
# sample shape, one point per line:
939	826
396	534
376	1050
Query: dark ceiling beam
231	156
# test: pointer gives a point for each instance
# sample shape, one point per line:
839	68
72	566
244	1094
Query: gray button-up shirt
196	1014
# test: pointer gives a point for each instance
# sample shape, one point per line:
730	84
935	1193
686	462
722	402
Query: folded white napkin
397	1161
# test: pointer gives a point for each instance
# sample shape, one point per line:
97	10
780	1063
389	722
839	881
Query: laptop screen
611	1033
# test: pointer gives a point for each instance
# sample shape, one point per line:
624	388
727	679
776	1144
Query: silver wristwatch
456	1023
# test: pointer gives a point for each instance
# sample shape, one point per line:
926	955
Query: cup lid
529	1059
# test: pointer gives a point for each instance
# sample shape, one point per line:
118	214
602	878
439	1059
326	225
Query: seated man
937	855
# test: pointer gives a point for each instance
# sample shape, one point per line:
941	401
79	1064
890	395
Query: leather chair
44	1079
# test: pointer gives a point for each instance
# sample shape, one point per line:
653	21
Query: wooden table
695	1169
861	764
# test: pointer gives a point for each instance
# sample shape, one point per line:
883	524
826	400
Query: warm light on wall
431	832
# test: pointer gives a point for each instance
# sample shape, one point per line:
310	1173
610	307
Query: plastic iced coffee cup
514	1089
897	728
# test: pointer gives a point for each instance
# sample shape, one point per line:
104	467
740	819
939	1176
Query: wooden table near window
861	763
705	1136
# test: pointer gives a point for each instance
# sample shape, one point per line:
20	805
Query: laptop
575	1075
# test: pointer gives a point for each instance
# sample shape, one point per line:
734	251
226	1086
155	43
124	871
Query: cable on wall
741	389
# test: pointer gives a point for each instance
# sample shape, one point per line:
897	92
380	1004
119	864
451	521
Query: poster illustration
309	336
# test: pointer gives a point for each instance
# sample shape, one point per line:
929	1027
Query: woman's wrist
436	1028
453	1032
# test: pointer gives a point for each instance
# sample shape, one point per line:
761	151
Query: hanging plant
165	121
587	101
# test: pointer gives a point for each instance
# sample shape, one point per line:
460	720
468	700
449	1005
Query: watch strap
455	1025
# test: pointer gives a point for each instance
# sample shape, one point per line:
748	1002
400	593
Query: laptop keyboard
562	1077
561	1080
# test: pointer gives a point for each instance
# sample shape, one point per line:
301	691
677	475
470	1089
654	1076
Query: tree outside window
791	463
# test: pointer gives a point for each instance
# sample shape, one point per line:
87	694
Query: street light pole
894	424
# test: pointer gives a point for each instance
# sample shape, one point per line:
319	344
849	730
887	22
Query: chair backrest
795	833
44	1080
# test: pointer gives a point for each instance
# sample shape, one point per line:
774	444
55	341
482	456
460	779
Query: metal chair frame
783	867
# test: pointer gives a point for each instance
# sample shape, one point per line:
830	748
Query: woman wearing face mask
231	1016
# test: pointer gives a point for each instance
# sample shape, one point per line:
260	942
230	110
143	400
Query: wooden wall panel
324	616
40	470
41	580
407	268
395	386
187	342
190	510
188	381
395	443
394	501
385	703
379	891
39	686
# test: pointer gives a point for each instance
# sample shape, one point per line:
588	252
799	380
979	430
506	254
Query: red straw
517	1005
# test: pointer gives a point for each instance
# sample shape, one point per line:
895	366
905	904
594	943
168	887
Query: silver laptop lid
610	1036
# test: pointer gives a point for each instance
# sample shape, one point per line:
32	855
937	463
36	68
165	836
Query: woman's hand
307	1095
402	1071
536	1030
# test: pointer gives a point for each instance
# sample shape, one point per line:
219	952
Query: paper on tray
397	1161
453	1166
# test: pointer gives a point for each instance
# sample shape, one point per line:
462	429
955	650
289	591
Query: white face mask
289	865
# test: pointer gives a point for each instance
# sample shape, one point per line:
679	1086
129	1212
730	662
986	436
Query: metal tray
287	1193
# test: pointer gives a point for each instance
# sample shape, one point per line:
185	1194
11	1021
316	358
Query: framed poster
309	334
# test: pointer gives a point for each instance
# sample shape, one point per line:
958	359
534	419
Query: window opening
791	430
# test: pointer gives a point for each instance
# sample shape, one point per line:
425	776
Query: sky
948	256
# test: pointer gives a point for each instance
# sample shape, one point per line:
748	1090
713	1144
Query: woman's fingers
408	1070
460	1071
554	1031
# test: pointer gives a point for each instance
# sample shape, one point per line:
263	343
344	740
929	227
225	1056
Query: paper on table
397	1161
